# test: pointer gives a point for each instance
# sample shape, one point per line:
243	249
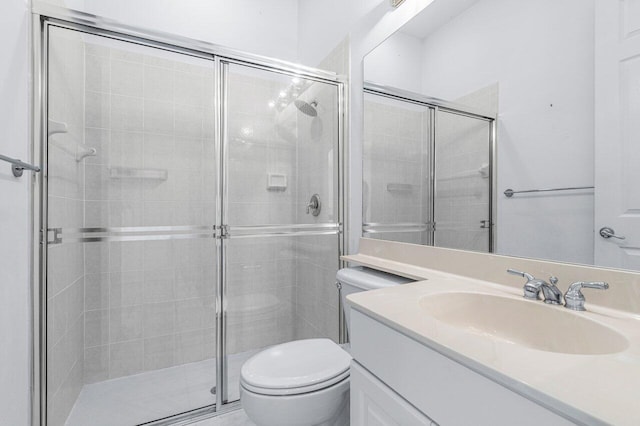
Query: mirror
547	70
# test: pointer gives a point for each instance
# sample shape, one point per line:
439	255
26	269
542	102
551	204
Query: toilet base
325	407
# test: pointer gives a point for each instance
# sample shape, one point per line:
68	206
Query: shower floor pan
140	398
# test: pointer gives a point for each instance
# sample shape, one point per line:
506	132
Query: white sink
524	322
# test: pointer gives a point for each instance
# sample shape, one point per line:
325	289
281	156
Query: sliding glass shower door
191	213
462	198
131	178
281	250
397	162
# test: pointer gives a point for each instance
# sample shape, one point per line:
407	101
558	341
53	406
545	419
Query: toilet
306	382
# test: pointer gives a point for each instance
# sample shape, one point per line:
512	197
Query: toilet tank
358	279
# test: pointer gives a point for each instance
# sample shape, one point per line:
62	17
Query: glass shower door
462	202
280	248
131	255
396	170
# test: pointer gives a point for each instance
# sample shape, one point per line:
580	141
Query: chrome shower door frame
44	16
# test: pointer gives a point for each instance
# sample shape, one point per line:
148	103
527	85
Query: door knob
607	232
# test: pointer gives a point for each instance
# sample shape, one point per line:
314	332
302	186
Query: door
617	128
131	255
281	230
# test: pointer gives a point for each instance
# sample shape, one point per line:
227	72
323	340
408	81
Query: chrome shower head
307	108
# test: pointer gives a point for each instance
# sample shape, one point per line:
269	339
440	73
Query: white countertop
590	389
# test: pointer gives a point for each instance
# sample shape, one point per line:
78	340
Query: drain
213	390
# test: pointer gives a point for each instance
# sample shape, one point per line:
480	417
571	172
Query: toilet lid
296	367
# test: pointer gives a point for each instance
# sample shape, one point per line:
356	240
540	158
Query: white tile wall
316	307
462	191
396	137
149	305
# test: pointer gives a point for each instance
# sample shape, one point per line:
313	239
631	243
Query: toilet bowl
306	382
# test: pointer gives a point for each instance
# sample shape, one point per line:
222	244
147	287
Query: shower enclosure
179	231
427	171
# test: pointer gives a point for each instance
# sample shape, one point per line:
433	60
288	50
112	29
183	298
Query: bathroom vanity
458	350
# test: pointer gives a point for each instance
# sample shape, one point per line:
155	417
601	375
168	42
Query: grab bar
17	166
509	192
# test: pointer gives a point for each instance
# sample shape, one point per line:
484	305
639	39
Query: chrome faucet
574	299
533	287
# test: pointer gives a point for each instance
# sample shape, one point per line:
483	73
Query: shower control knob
314	205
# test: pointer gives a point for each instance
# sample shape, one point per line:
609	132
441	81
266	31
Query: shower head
307	108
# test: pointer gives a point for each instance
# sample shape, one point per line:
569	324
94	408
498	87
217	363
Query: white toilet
306	382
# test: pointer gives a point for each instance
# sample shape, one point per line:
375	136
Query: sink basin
524	322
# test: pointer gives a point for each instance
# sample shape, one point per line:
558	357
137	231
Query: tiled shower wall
148	304
317	256
462	174
65	277
261	274
316	307
395	166
462	182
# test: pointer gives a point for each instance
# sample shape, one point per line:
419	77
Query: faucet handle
574	299
522	274
531	287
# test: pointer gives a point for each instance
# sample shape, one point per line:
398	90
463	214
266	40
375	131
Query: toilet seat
295	391
296	367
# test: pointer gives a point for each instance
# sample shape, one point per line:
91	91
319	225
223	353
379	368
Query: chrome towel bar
17	166
509	192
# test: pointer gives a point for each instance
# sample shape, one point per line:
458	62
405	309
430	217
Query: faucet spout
552	294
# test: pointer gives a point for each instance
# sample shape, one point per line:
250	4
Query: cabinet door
375	404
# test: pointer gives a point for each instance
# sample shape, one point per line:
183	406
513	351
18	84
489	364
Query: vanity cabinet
375	404
397	380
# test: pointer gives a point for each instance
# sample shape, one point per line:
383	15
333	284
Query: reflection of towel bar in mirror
509	192
129	173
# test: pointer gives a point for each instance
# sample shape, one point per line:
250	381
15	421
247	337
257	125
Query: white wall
397	63
324	24
541	53
267	28
15	322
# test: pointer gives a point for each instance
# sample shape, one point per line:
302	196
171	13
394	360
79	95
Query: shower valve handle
314	206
